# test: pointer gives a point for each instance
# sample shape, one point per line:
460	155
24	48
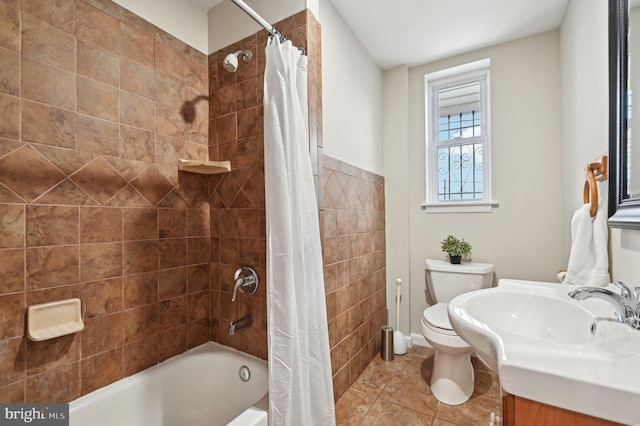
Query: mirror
624	119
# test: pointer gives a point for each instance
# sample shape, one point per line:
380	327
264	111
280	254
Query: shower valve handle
245	279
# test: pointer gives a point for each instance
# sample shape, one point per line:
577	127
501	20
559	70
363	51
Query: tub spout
243	322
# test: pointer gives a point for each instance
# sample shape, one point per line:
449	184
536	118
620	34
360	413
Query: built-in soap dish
54	319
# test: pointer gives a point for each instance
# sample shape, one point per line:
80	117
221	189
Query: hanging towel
589	257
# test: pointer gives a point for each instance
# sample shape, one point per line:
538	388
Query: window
458	139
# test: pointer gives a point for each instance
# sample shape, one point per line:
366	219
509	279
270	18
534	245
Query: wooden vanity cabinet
517	411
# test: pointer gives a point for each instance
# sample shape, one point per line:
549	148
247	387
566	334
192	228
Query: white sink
549	348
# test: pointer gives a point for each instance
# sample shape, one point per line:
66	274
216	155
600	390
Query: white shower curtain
300	387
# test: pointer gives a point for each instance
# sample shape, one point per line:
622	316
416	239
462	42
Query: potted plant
456	248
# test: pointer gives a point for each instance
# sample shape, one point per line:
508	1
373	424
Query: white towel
589	257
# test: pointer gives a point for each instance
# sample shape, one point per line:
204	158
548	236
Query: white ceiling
414	32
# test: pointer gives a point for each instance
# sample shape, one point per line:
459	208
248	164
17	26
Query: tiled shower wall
354	267
97	107
238	228
93	120
351	203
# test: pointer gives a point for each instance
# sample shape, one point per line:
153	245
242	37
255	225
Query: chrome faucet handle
625	291
245	279
236	285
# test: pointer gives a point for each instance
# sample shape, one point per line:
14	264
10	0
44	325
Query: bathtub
203	386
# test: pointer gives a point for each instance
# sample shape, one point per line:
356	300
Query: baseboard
418	339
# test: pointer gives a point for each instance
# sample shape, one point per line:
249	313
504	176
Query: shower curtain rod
260	20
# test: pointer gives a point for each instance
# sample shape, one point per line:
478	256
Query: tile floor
397	393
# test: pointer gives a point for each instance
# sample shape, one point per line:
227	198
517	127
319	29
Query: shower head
230	62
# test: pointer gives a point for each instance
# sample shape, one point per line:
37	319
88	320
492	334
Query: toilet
452	376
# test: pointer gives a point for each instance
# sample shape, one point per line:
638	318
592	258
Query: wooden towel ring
590	192
595	172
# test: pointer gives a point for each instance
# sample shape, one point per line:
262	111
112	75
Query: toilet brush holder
386	346
399	342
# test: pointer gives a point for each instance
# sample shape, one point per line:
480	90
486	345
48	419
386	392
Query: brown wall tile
136	45
141	354
140	224
56	386
50	354
141	289
12	270
10	24
172	223
173	342
102	297
172	283
12	320
59	13
48	43
96	27
10	110
52	266
81	189
12	226
137	144
100	225
10	72
12	361
44	124
137	78
98	64
137	111
101	334
98	99
52	225
140	256
47	84
101	370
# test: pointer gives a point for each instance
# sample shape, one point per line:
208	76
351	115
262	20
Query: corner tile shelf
204	167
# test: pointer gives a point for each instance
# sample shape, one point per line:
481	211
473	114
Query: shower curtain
300	386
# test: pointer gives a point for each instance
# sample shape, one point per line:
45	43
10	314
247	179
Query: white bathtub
199	387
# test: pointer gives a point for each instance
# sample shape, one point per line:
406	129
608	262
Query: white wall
521	236
182	19
395	133
229	24
585	106
351	95
584	53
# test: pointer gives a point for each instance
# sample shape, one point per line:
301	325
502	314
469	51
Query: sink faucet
626	304
243	322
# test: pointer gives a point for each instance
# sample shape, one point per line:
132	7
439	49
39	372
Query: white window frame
476	71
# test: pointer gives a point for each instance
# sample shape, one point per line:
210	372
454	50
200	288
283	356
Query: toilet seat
437	317
437	329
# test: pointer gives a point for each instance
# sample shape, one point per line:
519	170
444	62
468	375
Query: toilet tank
446	281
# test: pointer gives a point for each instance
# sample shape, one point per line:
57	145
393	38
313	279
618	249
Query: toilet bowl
452	376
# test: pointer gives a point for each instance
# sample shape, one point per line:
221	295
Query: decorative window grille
458	137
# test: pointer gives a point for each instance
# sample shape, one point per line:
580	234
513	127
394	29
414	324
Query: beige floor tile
476	411
440	422
486	384
418	351
353	406
409	386
384	413
398	393
376	376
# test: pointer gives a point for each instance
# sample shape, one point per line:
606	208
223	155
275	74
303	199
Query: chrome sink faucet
626	304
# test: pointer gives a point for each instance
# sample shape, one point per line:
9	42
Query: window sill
460	207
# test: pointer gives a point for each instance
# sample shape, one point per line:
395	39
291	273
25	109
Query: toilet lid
438	317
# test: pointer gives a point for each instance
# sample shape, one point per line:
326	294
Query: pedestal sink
549	348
